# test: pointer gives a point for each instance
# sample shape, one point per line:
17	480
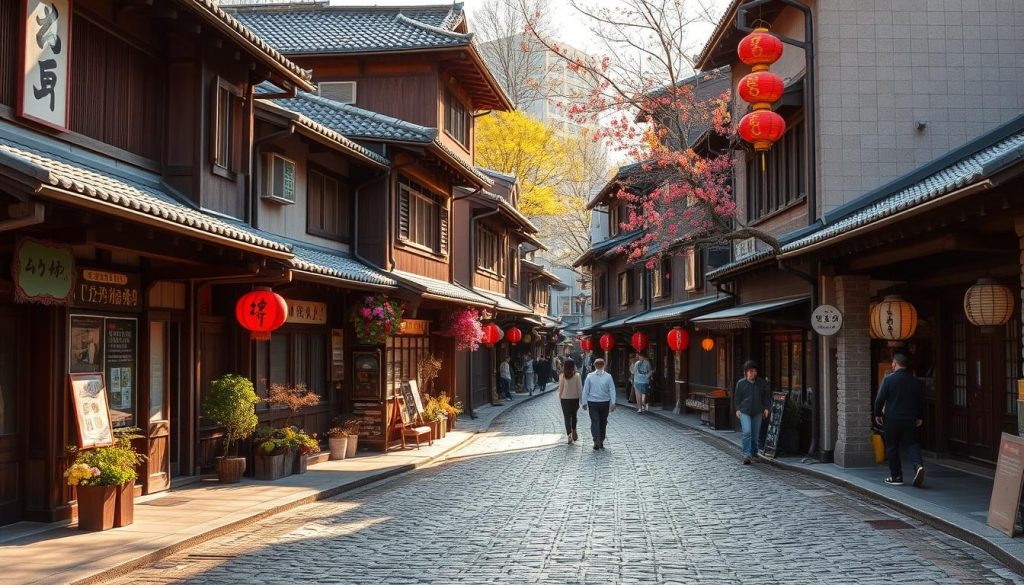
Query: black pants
569	408
899	434
598	419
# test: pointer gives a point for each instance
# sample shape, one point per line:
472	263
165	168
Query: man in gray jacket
753	399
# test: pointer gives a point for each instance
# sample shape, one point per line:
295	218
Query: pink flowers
376	319
464	327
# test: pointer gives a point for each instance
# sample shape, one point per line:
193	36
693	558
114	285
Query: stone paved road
517	505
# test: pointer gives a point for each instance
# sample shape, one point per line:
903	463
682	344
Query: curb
1011	562
129	566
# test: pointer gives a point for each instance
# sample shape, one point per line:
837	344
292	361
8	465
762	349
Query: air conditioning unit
278	178
339	91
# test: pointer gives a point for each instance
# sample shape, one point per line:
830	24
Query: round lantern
639	341
527	338
492	334
261	311
893	319
988	304
678	339
707	344
762	128
872	332
759	49
761	89
587	343
607	342
514	335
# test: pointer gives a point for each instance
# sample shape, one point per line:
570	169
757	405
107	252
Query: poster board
412	405
366	374
775	413
108	344
1009	480
92	414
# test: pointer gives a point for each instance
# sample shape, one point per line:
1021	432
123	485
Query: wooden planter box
451	421
124	508
317	458
96	506
271	467
435	430
302	462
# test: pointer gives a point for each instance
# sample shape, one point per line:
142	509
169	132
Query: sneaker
597	446
918	476
570	439
894	480
746	461
639	410
575	437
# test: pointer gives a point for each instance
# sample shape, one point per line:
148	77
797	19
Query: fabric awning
739	317
678	311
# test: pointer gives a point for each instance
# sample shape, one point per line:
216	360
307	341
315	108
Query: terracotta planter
96	505
230	469
451	422
338	446
270	467
124	510
435	430
442	424
353	444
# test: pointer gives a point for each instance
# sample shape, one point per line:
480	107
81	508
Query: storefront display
108	345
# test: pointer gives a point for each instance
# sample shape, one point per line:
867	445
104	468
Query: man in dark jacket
753	399
899	409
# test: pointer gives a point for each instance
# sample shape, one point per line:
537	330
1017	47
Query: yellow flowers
81	474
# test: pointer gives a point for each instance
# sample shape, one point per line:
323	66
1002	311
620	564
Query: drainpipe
816	417
251	178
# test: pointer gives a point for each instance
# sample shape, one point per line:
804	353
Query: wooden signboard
89	395
771	441
371	420
412	404
43	272
1009	480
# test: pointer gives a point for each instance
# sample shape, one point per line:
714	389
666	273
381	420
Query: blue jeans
751	426
505	386
598	419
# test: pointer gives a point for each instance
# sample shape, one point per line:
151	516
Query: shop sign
1002	508
103	289
744	248
826	320
43	272
46	44
307	312
414	327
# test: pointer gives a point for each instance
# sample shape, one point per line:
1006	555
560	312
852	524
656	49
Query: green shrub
231	403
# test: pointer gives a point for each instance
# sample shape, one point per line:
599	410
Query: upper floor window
614	213
488	250
226	125
780	182
513	262
625	287
456	118
638	283
661	278
600	290
328	211
541	295
422	217
692	269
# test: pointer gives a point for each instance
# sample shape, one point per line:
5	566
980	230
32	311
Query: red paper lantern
514	335
261	311
639	341
759	49
762	128
491	334
707	344
587	343
678	339
761	89
607	342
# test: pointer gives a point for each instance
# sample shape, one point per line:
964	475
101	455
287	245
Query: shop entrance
11	433
162	428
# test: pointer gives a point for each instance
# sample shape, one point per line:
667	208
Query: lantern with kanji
587	343
759	49
707	344
893	319
762	127
761	89
607	342
639	341
492	334
989	304
678	339
261	311
514	335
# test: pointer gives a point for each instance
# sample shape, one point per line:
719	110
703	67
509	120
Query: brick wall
853	371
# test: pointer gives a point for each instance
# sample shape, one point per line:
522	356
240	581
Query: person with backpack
641	371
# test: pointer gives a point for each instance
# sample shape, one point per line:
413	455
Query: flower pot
230	469
124	510
270	467
300	464
289	462
435	430
353	444
338	446
451	421
96	504
442	425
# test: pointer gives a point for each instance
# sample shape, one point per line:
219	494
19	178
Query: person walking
570	387
899	410
543	369
630	389
598	399
753	399
529	377
641	372
588	364
505	377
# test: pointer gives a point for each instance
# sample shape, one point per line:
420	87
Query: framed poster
107	344
43	86
366	372
92	414
337	355
85	339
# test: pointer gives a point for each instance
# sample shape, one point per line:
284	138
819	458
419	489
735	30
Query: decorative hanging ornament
707	344
607	342
639	341
762	128
261	311
678	339
514	335
527	338
587	343
893	320
492	334
989	304
759	49
761	89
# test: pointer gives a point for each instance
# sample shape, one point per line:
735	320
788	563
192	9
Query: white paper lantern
989	304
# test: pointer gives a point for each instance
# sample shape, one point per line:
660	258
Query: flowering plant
376	318
113	465
464	327
81	474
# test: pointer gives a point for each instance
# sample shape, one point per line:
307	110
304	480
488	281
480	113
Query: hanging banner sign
43	272
414	327
45	46
306	312
826	320
104	289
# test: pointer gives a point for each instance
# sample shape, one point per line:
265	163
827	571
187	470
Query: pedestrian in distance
599	400
899	410
529	377
753	399
505	377
570	387
588	364
558	363
641	372
630	389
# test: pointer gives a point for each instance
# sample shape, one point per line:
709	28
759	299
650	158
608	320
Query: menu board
366	374
108	345
371	420
91	413
412	404
1009	480
771	441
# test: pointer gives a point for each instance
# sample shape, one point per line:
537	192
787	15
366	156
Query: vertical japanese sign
45	48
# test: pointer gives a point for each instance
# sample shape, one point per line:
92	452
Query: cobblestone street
518	505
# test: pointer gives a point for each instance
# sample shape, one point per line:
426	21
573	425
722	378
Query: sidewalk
952	499
32	552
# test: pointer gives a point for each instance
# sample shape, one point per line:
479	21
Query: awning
739	317
431	288
615	323
504	303
533	321
551	323
678	311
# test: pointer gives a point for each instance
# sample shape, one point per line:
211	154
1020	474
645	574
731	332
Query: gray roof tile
446	290
327	132
337	264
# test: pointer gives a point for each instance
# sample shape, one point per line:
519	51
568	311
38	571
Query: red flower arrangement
376	318
464	327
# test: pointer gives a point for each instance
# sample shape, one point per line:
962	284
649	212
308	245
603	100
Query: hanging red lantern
759	49
607	342
761	89
261	311
639	341
514	335
707	344
762	128
587	343
678	339
491	334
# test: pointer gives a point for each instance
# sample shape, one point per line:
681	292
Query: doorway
163	426
11	431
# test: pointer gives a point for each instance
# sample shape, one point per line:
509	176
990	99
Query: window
403	356
624	287
339	91
614	219
294	358
422	217
638	281
487	248
959	386
278	179
661	278
692	269
513	262
600	290
541	295
456	118
781	181
328	212
787	361
226	129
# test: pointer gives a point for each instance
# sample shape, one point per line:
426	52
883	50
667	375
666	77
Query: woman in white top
570	386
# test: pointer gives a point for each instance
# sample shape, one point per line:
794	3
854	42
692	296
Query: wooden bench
415	432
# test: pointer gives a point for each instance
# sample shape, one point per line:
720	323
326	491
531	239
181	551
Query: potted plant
348	424
450	409
337	441
272	447
308	447
104	479
231	403
376	318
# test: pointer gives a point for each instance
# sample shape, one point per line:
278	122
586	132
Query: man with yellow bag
899	410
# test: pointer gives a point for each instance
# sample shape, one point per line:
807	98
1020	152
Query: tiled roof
678	311
609	246
543	271
327	133
504	303
337	264
443	290
507	207
759	257
318	28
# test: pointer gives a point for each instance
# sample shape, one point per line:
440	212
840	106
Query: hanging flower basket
464	327
375	318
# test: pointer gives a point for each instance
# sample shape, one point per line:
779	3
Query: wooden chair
415	430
